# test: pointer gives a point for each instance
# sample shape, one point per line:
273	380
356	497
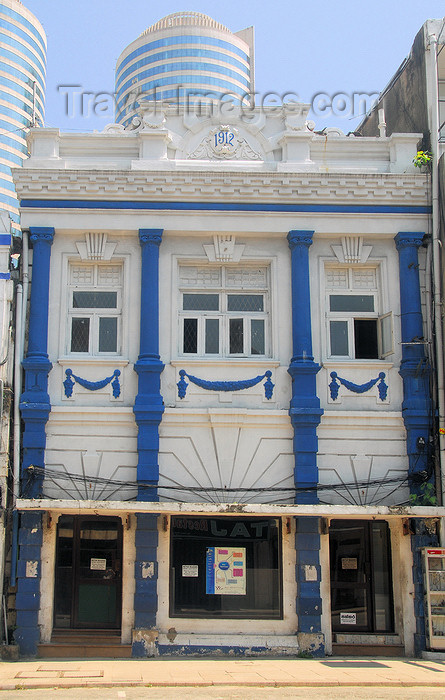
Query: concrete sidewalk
328	672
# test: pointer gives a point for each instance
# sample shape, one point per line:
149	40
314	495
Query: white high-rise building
22	89
184	57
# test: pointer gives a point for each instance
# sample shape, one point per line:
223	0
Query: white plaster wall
403	586
286	626
229	448
98	443
359	448
128	580
47	581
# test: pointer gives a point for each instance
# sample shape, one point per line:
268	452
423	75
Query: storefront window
225	567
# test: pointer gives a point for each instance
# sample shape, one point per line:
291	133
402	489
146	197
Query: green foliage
423	159
426	497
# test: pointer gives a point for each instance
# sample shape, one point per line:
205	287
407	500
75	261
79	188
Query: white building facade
226	403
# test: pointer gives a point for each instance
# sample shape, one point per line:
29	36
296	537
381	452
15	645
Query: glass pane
365	339
212	336
190	335
348	571
94	300
386	334
236	342
257	337
108	334
339	338
249	550
200	302
245	302
351	302
381	576
80	334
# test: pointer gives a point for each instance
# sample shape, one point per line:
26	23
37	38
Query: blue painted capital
299	238
41	234
406	239
150	235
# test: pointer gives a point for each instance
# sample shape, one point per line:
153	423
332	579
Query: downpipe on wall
432	57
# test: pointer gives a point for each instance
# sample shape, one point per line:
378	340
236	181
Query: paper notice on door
348	618
349	563
190	570
98	564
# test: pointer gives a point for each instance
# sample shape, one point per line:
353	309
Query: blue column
149	406
416	408
305	411
146	580
308	576
34	403
27	632
414	369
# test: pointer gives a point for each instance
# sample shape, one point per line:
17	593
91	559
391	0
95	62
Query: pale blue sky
302	47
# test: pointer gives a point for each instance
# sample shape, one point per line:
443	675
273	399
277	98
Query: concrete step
62	650
367	649
81	644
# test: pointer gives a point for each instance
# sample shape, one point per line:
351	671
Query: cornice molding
188	185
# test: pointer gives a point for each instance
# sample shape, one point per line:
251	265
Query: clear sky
323	52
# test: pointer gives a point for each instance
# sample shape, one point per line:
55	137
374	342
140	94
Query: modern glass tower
180	59
22	89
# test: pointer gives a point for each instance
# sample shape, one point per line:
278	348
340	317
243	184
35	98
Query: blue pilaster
414	369
308	577
34	403
146	580
305	411
27	633
416	407
149	406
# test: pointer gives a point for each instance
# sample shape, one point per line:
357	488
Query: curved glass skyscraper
182	58
22	88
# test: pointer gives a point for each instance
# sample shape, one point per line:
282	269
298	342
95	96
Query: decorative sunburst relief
90	475
222	456
363	480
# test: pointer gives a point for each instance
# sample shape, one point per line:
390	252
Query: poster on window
226	571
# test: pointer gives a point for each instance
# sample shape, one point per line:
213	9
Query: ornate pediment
224	143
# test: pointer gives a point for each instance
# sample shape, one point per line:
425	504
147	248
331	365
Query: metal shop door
88	585
361	581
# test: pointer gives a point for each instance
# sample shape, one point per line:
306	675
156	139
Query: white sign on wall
190	570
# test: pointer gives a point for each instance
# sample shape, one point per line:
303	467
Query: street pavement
330	672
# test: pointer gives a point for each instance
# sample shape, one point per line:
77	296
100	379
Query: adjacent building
185	58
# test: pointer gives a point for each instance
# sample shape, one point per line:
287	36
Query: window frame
95	313
223	315
384	344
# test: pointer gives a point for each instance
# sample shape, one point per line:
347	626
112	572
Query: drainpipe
434	116
16	453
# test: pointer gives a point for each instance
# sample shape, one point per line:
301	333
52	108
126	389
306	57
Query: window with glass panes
224	311
355	329
95	308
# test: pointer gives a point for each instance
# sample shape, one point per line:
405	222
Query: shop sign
226	571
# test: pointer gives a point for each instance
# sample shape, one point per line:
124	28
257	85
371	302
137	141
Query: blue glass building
184	57
22	89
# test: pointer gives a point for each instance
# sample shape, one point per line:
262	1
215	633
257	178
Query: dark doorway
361	581
88	586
